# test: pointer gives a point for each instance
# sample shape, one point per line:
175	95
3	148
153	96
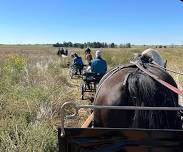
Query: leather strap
169	86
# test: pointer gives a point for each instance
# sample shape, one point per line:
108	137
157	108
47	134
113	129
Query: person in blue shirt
78	62
95	70
98	65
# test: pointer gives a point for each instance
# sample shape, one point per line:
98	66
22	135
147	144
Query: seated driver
98	65
78	62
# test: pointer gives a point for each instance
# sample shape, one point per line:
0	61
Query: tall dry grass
33	85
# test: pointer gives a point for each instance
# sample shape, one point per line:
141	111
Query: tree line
91	45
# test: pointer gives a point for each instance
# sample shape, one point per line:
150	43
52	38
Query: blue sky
119	21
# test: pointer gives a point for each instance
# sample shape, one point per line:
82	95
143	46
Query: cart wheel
82	94
71	74
82	97
82	91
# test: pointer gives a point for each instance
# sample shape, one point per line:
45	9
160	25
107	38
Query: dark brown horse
126	85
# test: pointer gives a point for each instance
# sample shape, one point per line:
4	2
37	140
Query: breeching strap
169	86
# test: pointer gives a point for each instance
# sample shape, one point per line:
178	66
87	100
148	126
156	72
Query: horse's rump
128	86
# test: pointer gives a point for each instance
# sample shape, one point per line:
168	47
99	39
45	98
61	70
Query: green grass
34	83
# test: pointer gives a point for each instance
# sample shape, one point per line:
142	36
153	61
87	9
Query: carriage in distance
89	82
76	66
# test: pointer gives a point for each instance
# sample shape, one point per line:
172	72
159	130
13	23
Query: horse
127	85
62	53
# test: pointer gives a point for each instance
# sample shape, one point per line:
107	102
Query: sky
119	21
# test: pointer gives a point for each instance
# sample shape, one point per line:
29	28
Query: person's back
98	65
88	57
78	63
78	60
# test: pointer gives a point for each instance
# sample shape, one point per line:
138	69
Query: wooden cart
89	139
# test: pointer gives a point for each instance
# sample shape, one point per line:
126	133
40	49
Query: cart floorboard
120	140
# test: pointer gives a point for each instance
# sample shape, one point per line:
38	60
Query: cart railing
77	107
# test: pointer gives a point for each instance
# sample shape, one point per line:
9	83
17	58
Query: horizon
112	21
92	42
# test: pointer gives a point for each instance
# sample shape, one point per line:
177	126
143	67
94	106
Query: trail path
83	113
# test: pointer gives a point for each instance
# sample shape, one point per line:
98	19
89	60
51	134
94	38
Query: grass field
34	82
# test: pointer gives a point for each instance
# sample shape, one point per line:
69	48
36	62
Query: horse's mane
145	91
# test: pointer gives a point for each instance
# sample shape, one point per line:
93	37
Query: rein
156	65
172	88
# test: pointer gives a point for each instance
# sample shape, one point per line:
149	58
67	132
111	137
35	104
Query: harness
110	74
139	64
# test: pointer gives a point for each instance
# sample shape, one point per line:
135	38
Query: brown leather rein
169	86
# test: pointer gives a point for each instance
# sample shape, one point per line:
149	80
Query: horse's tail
144	91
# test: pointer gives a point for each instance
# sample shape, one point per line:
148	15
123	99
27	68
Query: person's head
76	55
72	55
98	54
87	50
